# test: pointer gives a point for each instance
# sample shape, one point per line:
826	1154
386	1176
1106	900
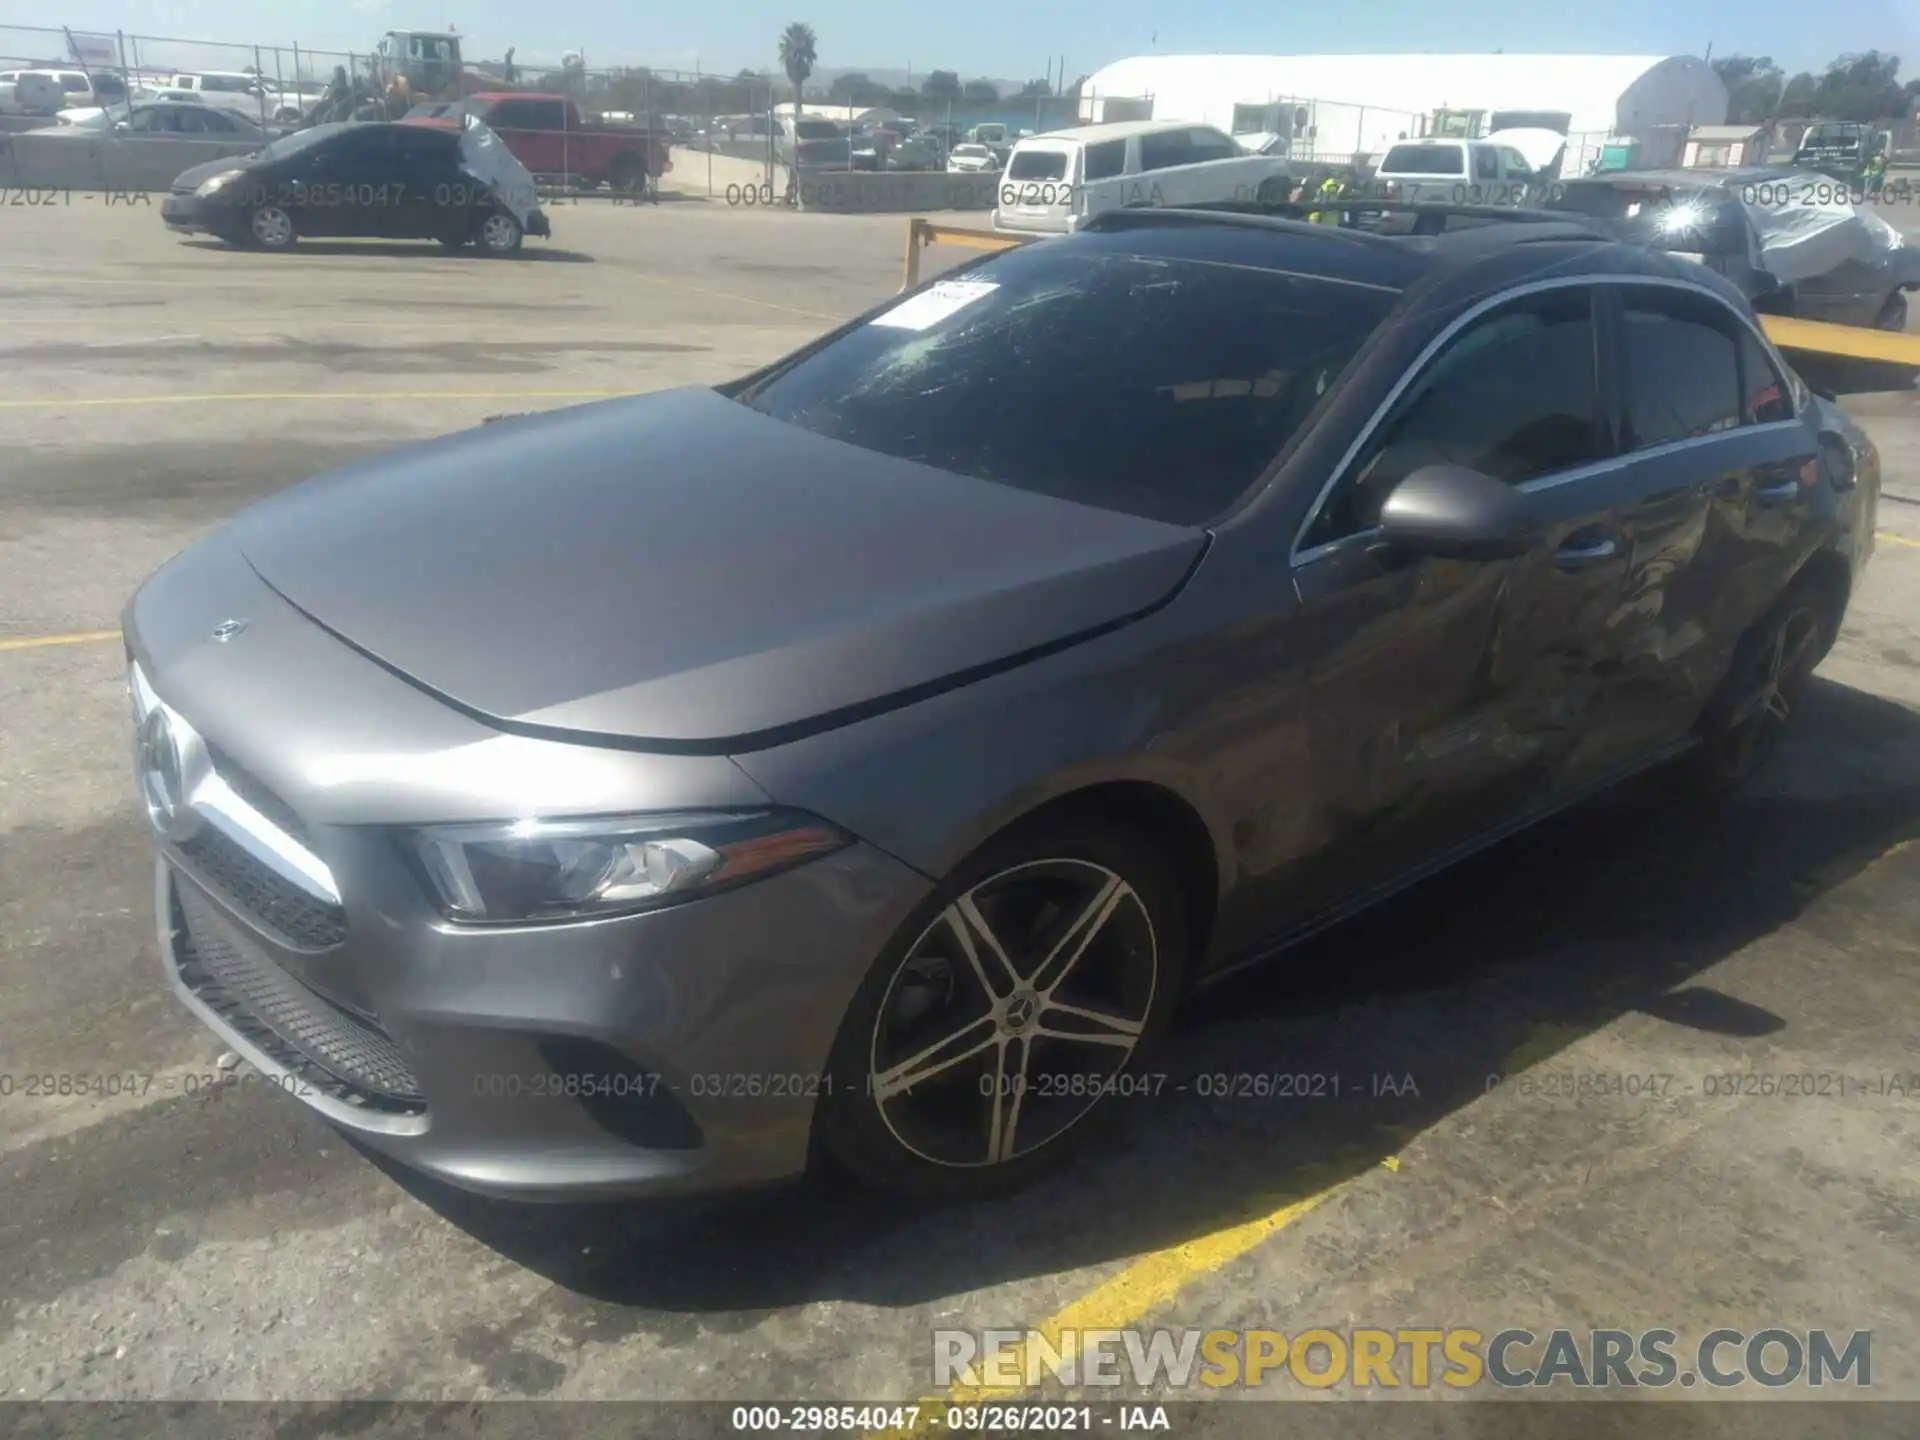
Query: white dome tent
1365	102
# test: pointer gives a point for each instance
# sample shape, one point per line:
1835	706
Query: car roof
1695	179
1117	130
1491	253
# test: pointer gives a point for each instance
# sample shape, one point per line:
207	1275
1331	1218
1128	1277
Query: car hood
198	175
680	572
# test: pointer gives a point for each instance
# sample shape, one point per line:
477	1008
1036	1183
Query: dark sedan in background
1792	241
364	180
858	762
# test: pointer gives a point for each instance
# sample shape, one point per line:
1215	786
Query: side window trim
1303	554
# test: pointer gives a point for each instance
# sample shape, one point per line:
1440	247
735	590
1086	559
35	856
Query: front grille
304	921
337	1053
259	796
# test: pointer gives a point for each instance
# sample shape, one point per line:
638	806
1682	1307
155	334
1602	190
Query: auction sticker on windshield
931	306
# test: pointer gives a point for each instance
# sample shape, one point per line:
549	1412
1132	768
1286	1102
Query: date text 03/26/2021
969	1419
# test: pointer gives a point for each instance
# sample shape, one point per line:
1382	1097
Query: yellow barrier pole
910	269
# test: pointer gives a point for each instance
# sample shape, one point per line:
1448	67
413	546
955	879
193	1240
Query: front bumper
188	214
677	1052
538	224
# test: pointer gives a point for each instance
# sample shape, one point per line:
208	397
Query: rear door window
1486	163
511	115
546	115
1431	159
1106	160
1117	375
1682	368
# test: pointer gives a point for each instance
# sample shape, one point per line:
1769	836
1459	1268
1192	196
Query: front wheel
1893	314
498	234
1015	1004
1273	191
271	228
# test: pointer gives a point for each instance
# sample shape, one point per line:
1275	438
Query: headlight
213	186
533	870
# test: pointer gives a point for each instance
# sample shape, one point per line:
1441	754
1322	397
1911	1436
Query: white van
1054	183
1460	172
48	92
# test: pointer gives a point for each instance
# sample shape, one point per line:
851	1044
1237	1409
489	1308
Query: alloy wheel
1784	662
499	233
1013	1014
272	227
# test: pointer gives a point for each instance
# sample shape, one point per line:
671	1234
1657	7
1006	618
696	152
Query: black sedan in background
1742	222
376	181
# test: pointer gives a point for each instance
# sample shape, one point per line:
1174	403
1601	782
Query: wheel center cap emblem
1021	1010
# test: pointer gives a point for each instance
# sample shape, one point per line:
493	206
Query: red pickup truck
548	135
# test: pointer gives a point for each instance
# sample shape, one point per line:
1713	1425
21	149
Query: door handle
1779	494
1584	554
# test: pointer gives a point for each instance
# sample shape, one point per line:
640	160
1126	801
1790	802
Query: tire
627	175
1893	314
271	228
1273	191
1764	685
968	1129
496	233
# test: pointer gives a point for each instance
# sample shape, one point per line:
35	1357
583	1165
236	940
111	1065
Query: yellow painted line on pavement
92	402
40	642
738	299
1896	539
1126	1298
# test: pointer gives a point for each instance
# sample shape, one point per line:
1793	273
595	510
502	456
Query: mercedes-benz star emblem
227	629
162	772
1020	1011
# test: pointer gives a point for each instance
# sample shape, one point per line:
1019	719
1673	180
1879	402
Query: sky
1013	39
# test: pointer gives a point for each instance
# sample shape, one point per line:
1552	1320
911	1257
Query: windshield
1155	385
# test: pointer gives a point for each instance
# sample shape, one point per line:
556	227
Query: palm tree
798	52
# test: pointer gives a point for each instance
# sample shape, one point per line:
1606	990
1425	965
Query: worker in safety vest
1873	175
1329	191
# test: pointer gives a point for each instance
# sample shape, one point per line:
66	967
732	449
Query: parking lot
190	1240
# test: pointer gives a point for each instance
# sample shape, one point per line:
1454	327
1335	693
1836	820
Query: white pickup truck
251	95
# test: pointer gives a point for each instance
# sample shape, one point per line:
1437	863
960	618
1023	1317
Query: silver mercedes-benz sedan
860	761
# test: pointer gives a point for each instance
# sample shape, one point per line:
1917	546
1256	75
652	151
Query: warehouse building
1337	105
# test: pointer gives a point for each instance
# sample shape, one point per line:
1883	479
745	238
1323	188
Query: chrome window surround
208	795
1537	287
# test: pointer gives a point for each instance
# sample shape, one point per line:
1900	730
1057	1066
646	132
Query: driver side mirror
1450	512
